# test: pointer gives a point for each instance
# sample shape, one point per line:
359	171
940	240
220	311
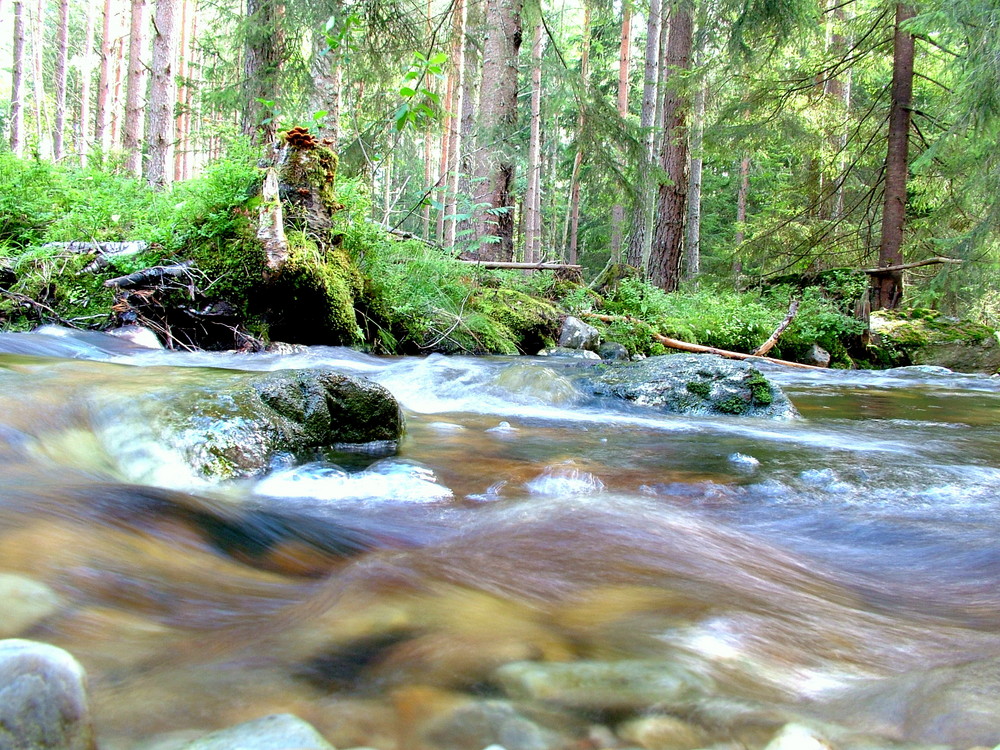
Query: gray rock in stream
277	732
43	701
691	384
239	424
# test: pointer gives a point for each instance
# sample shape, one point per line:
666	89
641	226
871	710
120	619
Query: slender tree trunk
624	55
469	154
327	73
574	192
261	65
62	69
181	58
101	127
117	98
17	83
455	134
838	89
498	118
135	89
162	95
444	161
83	131
533	205
742	194
668	236
889	286
692	241
41	116
641	210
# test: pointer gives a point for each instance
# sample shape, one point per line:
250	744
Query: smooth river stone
43	700
23	604
276	732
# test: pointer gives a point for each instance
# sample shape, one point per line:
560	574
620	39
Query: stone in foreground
43	701
277	732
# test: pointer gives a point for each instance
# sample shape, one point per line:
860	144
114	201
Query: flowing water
840	570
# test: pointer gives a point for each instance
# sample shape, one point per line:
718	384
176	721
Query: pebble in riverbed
23	604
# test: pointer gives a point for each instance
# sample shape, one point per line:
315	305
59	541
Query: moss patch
760	389
533	324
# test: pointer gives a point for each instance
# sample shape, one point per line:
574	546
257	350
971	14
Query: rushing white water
842	566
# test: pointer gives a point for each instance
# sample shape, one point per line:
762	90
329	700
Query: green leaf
407	91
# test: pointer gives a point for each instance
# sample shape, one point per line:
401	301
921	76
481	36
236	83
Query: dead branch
26	301
523	266
768	345
148	276
130	247
698	348
905	266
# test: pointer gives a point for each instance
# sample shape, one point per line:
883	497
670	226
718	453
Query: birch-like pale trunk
692	226
162	95
43	142
83	131
135	89
454	165
17	83
103	110
61	74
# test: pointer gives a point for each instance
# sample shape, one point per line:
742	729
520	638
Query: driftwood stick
23	299
524	266
128	247
768	345
698	348
905	266
150	275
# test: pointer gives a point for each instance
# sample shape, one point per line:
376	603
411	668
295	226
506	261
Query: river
840	570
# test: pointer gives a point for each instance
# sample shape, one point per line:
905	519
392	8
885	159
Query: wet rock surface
692	384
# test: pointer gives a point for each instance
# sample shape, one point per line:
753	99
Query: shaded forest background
720	143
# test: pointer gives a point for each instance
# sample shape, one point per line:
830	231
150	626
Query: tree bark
163	94
668	236
62	68
83	131
135	89
37	42
469	153
574	192
498	118
103	111
888	288
261	64
624	56
455	122
647	120
692	229
533	204
17	83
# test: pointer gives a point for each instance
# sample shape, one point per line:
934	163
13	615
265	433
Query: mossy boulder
692	384
532	323
238	424
925	337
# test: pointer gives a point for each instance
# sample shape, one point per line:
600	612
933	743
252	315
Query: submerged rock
603	686
25	603
43	701
480	724
277	732
562	351
692	384
240	424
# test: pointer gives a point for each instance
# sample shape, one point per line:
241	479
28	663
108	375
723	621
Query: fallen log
686	346
522	266
906	266
151	275
129	247
768	345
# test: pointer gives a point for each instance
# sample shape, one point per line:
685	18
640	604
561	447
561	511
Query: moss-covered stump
238	424
692	384
925	337
307	173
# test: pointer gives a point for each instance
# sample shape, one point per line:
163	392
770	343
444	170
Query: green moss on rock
533	324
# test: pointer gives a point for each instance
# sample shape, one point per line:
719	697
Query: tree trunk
83	131
455	129
498	118
647	121
742	194
327	73
668	237
574	191
624	55
533	204
261	65
888	288
62	67
469	153
162	95
444	160
135	89
103	112
17	83
838	90
692	233
117	101
37	42
180	120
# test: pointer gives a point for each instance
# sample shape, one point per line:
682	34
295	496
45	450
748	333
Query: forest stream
551	570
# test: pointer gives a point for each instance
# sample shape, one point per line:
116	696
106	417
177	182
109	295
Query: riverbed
576	566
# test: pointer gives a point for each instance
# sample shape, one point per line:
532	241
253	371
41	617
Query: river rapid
840	571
